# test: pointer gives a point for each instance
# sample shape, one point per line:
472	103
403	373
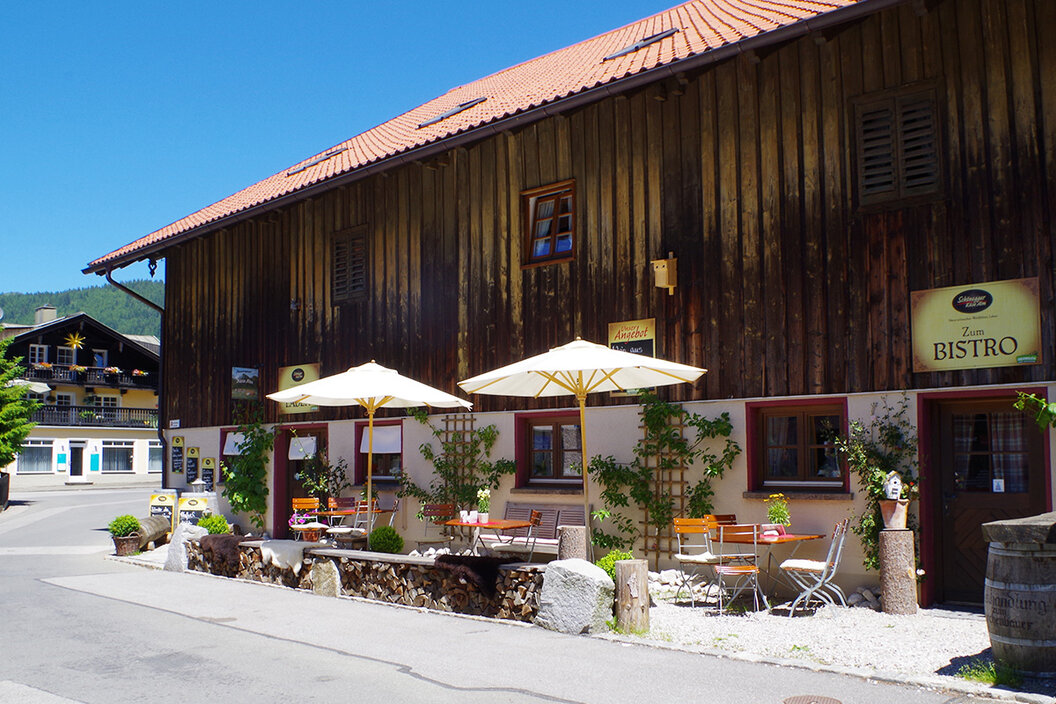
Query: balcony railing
98	416
91	376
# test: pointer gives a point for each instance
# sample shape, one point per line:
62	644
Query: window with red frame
550	452
550	215
795	447
387	460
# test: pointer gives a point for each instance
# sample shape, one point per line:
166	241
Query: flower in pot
897	495
483	504
125	532
777	510
112	371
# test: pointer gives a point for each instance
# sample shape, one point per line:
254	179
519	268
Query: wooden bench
545	541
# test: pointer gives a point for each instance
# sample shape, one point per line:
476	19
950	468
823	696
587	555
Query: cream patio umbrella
580	368
372	386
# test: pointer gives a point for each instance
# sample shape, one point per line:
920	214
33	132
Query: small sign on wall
192	464
636	337
177	454
296	375
245	383
209	472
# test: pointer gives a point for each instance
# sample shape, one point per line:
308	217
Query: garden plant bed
395	579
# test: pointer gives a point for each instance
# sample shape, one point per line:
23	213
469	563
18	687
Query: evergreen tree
15	408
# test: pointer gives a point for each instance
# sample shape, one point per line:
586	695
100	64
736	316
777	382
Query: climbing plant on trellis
676	446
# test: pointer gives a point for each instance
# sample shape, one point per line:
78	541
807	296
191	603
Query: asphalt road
79	626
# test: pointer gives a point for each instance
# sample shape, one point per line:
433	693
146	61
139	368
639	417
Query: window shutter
349	265
876	152
898	146
920	154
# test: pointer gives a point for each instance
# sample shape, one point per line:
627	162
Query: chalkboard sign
163	505
177	454
208	472
192	464
192	508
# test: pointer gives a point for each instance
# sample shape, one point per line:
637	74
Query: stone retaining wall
396	579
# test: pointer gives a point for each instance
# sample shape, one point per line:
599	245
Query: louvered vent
920	154
349	265
898	147
877	153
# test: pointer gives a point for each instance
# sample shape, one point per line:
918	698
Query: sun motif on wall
75	340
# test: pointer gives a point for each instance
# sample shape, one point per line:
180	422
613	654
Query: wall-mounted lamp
665	273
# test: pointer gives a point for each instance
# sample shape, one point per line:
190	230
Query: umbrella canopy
372	386
580	368
35	387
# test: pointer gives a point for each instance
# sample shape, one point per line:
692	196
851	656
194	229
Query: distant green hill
106	304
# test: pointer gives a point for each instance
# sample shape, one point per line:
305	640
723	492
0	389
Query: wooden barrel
1020	602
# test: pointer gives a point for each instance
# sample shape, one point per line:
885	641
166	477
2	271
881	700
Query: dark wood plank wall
744	171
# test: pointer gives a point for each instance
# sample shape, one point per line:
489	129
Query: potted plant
483	504
125	532
777	510
111	373
76	370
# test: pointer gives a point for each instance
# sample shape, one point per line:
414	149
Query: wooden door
288	484
991	461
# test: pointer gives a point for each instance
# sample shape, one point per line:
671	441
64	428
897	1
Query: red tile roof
704	26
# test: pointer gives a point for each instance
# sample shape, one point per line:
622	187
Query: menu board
209	472
163	505
192	508
192	464
177	454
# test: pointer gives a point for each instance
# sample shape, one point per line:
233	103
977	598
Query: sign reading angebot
996	324
636	337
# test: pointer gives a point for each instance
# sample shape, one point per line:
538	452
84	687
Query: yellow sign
177	441
996	324
163	505
192	451
295	376
636	337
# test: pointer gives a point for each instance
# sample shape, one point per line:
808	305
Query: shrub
124	525
608	563
214	523
386	539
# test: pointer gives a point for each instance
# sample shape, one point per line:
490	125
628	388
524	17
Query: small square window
66	355
38	354
549	214
387	458
551	450
794	447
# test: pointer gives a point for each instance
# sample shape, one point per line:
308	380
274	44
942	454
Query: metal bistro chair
815	577
340	503
738	569
694	551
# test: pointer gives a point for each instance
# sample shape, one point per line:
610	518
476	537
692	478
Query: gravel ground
927	648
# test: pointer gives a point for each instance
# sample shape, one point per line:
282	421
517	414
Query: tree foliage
107	304
15	408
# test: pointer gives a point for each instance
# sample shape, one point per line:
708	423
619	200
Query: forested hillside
106	304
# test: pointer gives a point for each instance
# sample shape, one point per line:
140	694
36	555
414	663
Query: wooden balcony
97	416
91	376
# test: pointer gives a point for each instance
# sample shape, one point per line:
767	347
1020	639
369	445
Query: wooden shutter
348	265
897	146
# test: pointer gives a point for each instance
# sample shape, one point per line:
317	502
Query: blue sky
118	118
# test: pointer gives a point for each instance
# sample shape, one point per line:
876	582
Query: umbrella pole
370	471
582	397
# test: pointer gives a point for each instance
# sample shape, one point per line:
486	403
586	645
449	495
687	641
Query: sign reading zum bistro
996	324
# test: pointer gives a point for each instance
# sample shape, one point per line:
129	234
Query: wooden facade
744	170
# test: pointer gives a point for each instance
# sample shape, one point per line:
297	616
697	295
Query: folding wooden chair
694	551
814	577
738	569
307	507
436	514
340	503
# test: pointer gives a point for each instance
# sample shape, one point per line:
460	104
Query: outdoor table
793	539
496	524
334	512
310	532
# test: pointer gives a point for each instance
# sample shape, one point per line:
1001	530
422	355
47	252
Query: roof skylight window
641	44
453	111
317	160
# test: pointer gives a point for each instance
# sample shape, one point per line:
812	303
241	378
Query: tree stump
632	596
898	578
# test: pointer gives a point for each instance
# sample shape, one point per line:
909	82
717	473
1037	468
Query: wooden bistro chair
694	551
340	503
738	568
436	514
308	506
814	577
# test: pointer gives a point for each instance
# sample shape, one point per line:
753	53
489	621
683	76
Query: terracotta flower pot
894	512
126	545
